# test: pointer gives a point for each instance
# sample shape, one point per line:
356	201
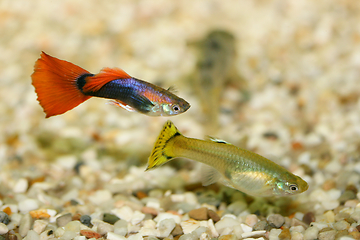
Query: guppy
234	167
61	86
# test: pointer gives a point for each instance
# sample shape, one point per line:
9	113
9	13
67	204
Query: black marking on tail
80	81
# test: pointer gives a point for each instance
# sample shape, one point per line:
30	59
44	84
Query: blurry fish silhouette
215	67
61	86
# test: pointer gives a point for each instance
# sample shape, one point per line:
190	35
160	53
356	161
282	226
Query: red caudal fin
55	83
106	75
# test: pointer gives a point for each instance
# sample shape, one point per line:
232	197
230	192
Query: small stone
327	235
347	195
253	234
86	220
90	234
189	236
103	228
341	234
311	233
355	234
177	230
25	224
100	197
189	226
149	210
237	207
297	222
114	236
285	234
228	237
40	213
330	204
121	227
32	235
341	225
64	219
274	233
28	205
213	215
261	225
137	217
251	220
110	218
73	226
165	227
309	217
225	222
124	212
21	186
3	229
4	218
162	216
276	220
355	215
297	235
39	226
341	216
199	213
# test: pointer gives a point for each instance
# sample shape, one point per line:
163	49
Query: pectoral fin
209	175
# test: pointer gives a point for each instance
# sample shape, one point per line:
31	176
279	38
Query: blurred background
277	77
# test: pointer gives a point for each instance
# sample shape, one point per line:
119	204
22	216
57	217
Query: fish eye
293	187
175	108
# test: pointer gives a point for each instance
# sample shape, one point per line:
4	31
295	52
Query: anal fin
122	105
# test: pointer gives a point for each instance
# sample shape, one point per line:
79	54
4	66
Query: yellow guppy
234	167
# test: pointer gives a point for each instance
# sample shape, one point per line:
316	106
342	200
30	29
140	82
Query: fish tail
162	151
58	84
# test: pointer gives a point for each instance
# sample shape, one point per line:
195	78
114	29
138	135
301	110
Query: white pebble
3	229
254	234
299	229
333	194
297	236
124	212
32	235
330	205
211	226
189	226
274	234
100	197
78	238
137	217
114	236
121	227
165	227
73	226
21	185
311	233
68	235
59	232
224	223
28	205
246	228
251	220
163	216
39	226
135	237
191	198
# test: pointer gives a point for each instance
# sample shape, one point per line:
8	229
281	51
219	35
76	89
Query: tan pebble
285	234
40	213
90	234
355	234
7	210
141	195
351	203
149	210
199	214
228	237
213	215
328	184
76	217
251	220
177	230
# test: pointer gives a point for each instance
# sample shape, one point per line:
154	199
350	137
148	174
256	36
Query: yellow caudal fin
162	152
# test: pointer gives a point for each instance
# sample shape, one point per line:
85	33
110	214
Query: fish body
61	86
235	167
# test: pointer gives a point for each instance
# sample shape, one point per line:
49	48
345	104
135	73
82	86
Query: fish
215	72
232	166
61	86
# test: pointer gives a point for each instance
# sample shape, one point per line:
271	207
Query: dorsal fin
106	75
217	140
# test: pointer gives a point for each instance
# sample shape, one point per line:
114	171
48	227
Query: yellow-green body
235	167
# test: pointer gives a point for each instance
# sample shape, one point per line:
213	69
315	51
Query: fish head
169	108
290	185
